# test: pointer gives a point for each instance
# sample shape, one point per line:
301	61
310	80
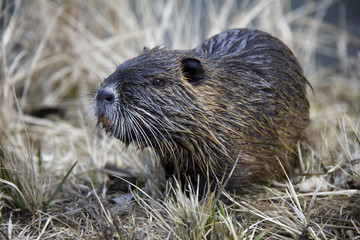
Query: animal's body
236	101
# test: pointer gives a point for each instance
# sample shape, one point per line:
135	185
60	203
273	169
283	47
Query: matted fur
245	101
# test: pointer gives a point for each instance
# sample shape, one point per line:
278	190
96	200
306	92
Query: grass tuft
53	56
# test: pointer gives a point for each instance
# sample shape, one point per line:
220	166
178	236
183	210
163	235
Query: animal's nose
105	96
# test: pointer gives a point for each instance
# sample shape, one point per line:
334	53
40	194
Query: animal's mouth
118	121
107	124
105	121
126	137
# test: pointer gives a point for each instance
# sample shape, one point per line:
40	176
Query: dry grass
55	53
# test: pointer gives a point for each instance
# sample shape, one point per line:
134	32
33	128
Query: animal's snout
105	96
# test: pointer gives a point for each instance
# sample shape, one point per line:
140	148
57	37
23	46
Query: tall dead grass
55	53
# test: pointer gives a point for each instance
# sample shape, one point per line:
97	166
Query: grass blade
58	188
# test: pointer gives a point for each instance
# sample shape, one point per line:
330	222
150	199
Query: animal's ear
192	70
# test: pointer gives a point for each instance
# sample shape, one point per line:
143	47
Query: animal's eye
157	82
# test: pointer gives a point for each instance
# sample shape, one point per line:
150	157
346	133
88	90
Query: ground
54	183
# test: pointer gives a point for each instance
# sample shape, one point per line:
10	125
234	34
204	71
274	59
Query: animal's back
270	110
278	72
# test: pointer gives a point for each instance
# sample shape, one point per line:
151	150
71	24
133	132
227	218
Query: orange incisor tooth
105	120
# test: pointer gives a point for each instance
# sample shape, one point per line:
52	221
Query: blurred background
73	43
54	55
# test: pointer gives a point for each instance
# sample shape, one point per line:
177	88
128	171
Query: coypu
238	98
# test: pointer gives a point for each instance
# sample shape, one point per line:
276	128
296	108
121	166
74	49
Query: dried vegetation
55	53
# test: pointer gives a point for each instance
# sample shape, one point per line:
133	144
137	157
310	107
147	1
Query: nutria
238	98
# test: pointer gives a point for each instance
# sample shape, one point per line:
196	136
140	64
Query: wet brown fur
240	96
